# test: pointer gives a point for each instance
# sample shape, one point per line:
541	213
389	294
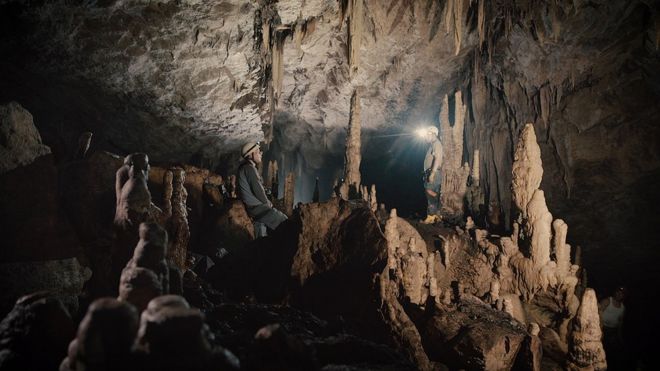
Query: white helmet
433	129
248	148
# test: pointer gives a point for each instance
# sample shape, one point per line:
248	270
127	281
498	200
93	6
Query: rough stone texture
454	172
527	169
179	231
104	338
138	286
35	334
472	336
20	142
64	278
150	253
585	350
175	336
351	186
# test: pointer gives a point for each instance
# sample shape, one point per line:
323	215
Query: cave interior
548	112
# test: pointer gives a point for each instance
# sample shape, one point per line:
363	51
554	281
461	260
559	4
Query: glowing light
421	132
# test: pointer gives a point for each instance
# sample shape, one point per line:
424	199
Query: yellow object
431	219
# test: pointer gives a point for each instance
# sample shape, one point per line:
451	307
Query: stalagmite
562	250
179	230
539	229
527	169
351	186
289	188
474	195
373	202
585	350
454	172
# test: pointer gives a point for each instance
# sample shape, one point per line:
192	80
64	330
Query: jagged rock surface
20	142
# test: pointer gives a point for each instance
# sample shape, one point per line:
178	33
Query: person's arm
256	186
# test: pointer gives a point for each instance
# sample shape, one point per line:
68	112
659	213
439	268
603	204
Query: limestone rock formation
454	172
104	339
35	334
179	231
527	169
134	198
20	142
585	350
174	336
351	186
138	286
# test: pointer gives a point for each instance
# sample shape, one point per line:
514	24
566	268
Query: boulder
20	142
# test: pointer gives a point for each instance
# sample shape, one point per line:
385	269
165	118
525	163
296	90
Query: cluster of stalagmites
517	275
168	335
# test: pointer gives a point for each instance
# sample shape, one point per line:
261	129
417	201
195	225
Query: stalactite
277	66
481	23
351	186
289	189
355	26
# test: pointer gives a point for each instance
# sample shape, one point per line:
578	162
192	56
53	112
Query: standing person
251	190
432	175
611	315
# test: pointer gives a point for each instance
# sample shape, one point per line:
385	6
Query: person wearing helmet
432	175
251	190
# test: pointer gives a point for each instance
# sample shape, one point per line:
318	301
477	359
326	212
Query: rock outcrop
20	142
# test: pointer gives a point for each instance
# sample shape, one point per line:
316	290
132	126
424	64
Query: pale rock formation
411	264
373	201
538	227
585	350
271	175
454	172
527	169
175	337
20	142
231	186
475	195
138	286
151	252
104	339
350	188
134	202
561	249
179	231
289	188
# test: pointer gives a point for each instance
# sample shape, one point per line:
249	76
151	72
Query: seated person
251	190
